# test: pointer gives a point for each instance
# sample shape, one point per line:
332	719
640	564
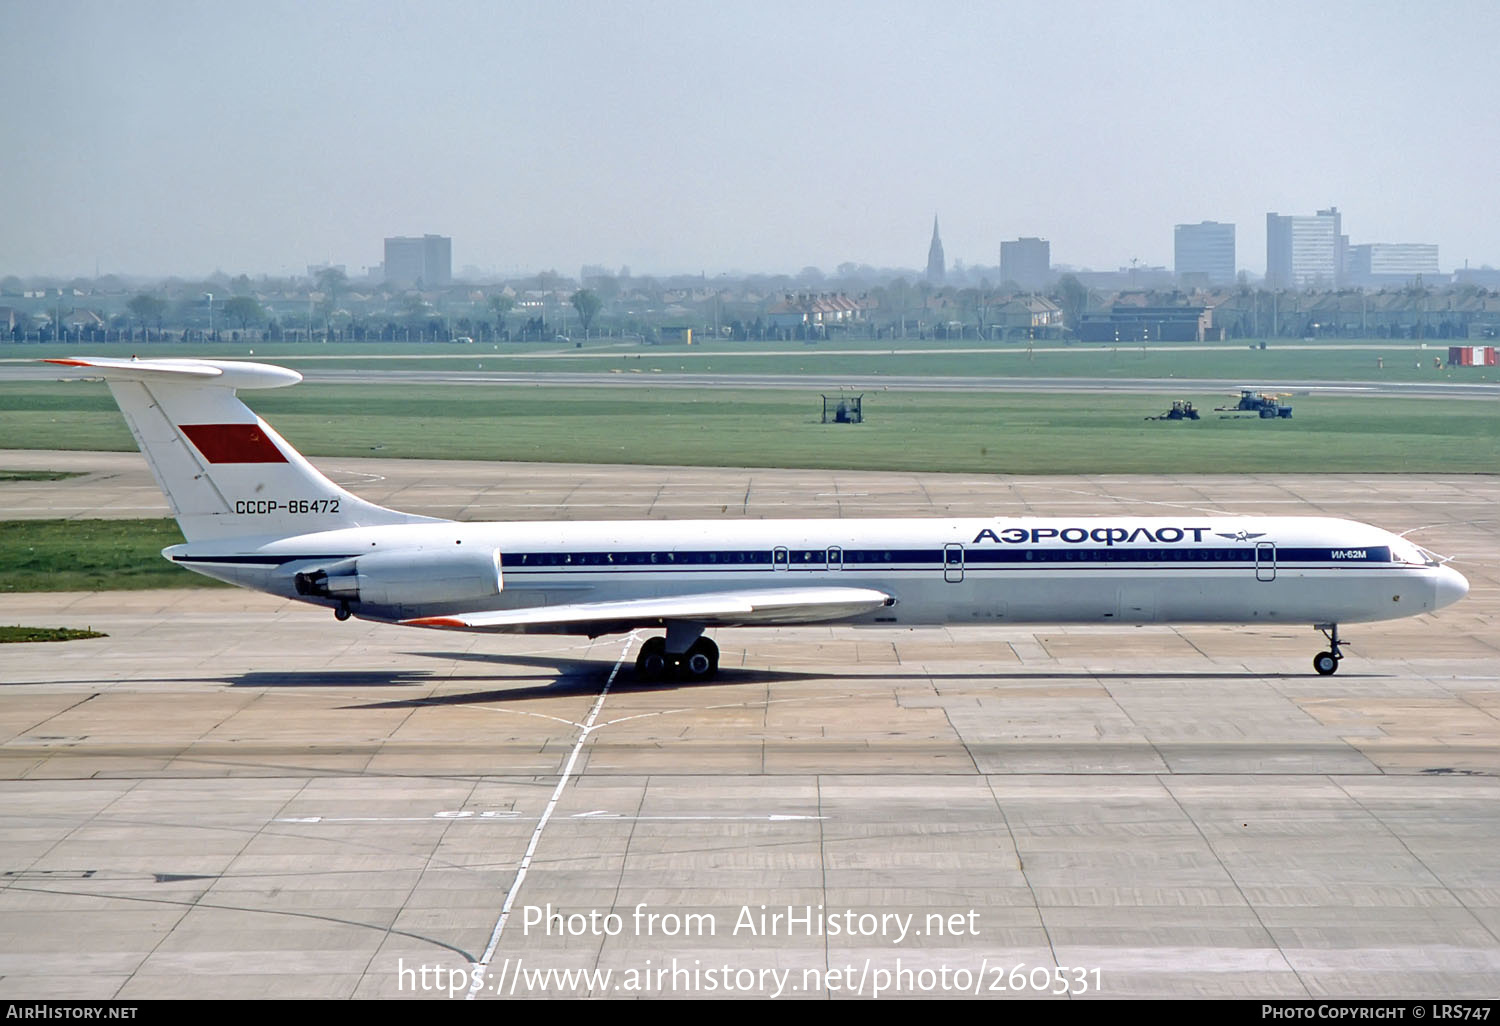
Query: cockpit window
1405	552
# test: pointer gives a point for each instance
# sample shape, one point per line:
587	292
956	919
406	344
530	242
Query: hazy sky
153	137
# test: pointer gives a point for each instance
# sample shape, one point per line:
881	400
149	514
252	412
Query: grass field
19	635
971	432
34	475
91	555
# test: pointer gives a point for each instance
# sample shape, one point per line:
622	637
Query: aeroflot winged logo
233	443
1240	535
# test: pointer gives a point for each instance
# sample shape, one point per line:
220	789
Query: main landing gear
1327	663
684	653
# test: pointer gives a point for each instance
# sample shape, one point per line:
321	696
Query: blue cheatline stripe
873	559
881	559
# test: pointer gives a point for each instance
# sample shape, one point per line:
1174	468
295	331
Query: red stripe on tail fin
233	443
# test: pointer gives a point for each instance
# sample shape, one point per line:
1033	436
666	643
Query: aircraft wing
226	373
719	608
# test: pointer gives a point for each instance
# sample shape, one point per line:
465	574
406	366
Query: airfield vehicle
1182	409
1266	405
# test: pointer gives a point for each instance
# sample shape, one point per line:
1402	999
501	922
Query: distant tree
414	309
924	293
331	282
534	329
148	309
897	297
587	304
1074	298
606	285
501	304
245	309
977	302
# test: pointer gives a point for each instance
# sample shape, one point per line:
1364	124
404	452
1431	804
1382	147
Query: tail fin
226	472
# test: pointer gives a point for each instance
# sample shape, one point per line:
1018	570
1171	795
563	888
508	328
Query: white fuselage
1180	569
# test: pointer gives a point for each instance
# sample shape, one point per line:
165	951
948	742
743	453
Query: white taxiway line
536	835
508	816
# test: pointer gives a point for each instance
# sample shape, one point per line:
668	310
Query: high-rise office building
427	261
1378	263
1027	262
1205	249
1302	251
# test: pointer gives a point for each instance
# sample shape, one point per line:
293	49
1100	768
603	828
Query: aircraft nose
1450	586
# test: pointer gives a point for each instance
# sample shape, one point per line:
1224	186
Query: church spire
936	268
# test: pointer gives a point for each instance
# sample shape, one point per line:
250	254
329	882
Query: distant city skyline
1302	251
177	137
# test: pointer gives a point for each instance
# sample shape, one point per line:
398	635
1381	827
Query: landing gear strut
696	658
1327	663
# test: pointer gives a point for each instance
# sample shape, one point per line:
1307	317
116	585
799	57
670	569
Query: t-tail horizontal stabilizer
226	472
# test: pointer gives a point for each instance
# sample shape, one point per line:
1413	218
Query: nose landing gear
1327	663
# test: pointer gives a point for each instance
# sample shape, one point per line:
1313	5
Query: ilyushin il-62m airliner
255	513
